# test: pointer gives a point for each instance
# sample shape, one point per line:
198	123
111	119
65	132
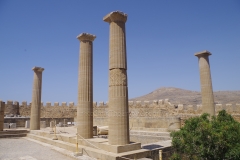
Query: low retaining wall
20	121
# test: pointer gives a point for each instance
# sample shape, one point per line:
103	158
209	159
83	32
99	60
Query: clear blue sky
162	37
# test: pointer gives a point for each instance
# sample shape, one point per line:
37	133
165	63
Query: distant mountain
182	96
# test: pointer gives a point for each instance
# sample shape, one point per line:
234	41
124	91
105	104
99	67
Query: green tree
208	138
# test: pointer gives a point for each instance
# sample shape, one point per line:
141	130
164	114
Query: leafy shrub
208	138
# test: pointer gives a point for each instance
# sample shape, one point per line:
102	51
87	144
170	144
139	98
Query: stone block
104	145
146	103
166	101
155	102
180	106
101	103
42	124
95	132
218	107
60	124
13	125
130	103
106	104
238	108
12	107
6	126
160	102
139	103
24	103
64	104
229	108
71	104
190	109
174	124
199	107
48	104
27	124
52	124
9	102
56	104
16	103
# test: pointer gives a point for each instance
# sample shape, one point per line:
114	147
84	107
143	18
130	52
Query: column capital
86	37
115	16
37	69
203	53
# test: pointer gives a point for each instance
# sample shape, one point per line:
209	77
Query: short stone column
85	86
2	108
206	83
118	115
36	98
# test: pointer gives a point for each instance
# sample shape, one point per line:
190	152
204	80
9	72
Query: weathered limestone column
2	108
36	98
85	86
206	83
118	117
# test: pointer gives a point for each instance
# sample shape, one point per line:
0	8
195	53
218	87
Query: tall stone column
118	116
36	98
85	86
206	82
2	108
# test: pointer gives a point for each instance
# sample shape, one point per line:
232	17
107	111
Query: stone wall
11	108
20	121
142	114
51	111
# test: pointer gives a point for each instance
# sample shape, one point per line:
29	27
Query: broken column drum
85	86
36	98
118	116
206	83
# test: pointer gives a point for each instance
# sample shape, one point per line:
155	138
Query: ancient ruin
206	82
128	125
36	98
142	114
118	120
85	86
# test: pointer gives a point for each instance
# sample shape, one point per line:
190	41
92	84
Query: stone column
36	98
85	86
206	83
2	108
118	116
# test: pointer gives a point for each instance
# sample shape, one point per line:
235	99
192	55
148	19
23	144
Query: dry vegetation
181	96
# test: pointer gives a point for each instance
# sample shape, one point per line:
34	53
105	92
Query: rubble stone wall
142	114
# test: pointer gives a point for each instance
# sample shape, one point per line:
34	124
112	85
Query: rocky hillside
181	96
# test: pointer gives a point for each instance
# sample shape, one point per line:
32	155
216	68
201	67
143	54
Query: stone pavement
27	149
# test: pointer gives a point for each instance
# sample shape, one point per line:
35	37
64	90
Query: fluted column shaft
85	86
36	98
2	108
206	83
118	116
